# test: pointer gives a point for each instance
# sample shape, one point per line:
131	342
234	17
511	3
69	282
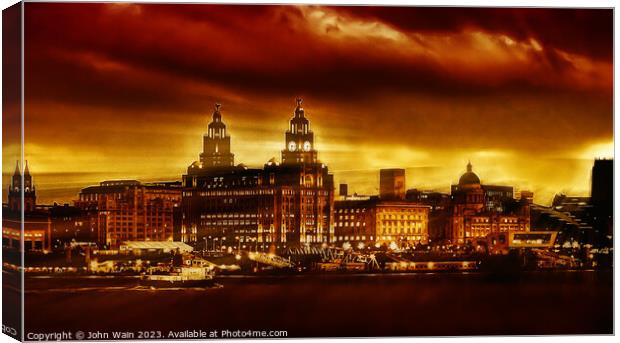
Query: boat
191	272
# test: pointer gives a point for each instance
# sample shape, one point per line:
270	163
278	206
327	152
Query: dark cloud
267	50
11	84
493	81
584	31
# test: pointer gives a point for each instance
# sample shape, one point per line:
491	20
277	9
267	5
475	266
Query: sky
127	90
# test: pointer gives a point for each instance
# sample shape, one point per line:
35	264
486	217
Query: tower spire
26	171
17	171
469	167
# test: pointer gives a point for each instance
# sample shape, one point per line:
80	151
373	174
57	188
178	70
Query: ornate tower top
299	139
216	143
217	128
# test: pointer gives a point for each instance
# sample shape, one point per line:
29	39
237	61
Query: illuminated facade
37	232
355	221
278	206
374	221
402	223
128	210
472	218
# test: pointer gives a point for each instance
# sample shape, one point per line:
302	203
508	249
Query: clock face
307	146
292	146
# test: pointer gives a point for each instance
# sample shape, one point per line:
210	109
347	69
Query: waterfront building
495	197
278	206
571	216
375	221
436	200
392	184
602	197
439	210
128	210
70	224
527	196
153	247
578	207
37	225
471	217
503	242
355	221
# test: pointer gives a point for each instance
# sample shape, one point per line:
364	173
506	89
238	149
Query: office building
128	210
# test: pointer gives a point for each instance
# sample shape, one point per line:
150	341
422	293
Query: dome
469	178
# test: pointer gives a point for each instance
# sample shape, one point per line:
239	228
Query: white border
474	3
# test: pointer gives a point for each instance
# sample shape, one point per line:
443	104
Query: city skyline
193	171
364	181
528	107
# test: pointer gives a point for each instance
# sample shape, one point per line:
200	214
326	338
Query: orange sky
118	90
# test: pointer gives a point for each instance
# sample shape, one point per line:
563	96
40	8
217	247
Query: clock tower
299	140
216	143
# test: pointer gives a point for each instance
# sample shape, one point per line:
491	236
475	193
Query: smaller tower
216	144
15	190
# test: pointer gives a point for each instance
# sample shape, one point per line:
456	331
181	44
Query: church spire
22	188
17	171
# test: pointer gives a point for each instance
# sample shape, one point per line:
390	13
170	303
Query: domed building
469	178
475	211
469	190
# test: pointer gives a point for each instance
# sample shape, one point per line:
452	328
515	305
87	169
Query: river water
334	305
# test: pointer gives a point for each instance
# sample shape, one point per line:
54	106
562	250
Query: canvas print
202	171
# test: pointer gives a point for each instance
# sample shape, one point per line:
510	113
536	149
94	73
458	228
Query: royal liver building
282	205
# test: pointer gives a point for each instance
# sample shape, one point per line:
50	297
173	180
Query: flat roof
156	245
